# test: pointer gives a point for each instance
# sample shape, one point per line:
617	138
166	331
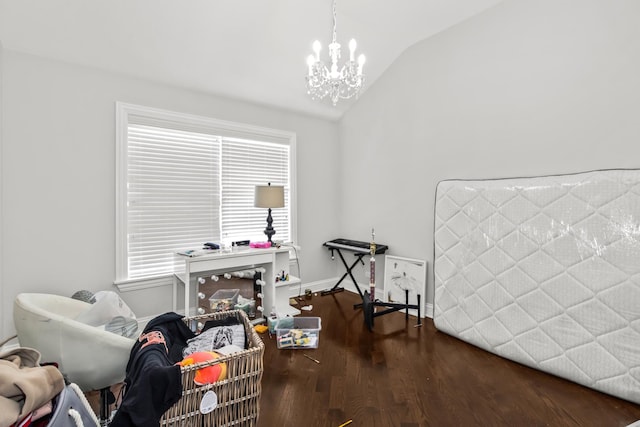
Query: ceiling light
337	83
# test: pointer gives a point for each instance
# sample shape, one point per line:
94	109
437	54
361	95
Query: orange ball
208	374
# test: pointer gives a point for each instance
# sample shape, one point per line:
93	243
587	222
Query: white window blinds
173	195
245	165
184	181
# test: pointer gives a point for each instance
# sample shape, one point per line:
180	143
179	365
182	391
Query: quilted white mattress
546	272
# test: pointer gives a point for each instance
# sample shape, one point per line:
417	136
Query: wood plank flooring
400	375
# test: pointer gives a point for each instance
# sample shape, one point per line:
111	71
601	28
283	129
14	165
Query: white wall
58	169
526	88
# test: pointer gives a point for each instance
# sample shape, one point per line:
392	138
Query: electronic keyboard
355	246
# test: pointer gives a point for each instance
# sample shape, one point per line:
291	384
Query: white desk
273	260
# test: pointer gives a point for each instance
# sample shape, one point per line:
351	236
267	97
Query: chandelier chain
335	22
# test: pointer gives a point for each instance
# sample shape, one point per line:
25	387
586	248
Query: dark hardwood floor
400	375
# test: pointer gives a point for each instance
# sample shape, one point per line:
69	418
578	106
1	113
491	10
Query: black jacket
153	381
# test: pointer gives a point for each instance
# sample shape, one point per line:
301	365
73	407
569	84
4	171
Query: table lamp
269	196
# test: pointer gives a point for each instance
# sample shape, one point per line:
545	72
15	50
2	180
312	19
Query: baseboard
429	310
317	286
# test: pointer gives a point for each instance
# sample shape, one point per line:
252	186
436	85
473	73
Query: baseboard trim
317	286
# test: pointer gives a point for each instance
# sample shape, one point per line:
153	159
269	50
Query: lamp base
269	231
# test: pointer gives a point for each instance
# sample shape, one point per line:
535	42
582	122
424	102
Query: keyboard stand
336	288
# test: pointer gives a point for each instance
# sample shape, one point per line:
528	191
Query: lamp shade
269	196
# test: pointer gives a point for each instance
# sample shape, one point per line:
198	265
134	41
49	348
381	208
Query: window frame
192	122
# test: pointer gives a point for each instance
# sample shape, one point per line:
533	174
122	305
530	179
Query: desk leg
175	294
187	283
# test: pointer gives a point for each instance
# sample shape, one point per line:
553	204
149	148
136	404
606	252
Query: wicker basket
238	395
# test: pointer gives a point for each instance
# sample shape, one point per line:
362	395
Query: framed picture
401	274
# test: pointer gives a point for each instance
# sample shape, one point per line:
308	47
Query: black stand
106	398
336	287
368	308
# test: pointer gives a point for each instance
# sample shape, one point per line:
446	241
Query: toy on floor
208	374
297	338
261	329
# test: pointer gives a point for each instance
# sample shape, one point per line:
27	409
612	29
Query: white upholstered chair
89	356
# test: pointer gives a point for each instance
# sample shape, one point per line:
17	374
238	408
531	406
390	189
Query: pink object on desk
260	244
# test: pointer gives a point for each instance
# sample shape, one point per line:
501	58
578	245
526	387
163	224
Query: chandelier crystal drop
345	82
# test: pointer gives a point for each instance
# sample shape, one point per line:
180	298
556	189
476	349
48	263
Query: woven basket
238	395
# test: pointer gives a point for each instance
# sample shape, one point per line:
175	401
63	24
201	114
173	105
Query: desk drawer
231	262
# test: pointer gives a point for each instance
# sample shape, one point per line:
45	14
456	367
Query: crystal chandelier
337	83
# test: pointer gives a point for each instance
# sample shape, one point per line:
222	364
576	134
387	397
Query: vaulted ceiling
253	50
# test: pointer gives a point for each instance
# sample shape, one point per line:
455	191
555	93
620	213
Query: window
184	180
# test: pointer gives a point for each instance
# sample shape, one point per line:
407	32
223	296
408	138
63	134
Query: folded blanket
24	384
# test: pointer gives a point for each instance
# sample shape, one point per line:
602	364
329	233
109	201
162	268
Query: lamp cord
299	272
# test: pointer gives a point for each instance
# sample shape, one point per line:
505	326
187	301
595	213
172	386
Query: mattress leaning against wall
546	272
